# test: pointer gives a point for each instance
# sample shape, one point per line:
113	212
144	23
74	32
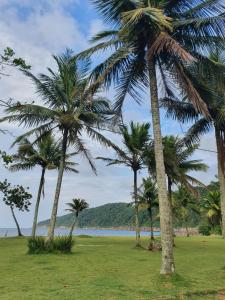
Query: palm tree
178	164
148	197
76	206
134	140
211	205
71	107
184	203
46	154
211	88
164	35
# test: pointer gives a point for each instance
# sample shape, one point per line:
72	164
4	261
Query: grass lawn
110	268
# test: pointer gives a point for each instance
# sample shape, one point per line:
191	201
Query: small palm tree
184	203
71	107
178	164
148	197
76	207
134	140
211	205
46	154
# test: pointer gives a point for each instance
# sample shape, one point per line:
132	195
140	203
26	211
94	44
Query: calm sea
9	232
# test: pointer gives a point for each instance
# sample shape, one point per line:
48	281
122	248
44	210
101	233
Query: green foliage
45	151
7	58
7	159
216	230
204	229
15	196
38	245
77	206
105	216
135	139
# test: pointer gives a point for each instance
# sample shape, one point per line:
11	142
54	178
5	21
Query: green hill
108	215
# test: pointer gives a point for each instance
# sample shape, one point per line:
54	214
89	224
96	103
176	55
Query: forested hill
111	215
108	215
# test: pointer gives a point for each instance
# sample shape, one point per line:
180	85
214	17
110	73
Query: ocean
42	231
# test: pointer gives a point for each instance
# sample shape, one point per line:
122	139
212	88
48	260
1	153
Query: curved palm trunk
58	187
221	179
137	223
17	224
41	185
167	266
73	226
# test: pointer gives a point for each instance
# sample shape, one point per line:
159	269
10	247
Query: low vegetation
61	245
111	268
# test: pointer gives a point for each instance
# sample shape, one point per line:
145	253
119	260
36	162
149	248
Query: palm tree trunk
17	224
187	231
167	266
151	223
137	224
41	184
58	187
171	207
72	227
150	245
221	179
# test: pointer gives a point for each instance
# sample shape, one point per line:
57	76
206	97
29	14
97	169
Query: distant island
111	215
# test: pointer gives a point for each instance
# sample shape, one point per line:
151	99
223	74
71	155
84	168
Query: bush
217	230
38	245
204	229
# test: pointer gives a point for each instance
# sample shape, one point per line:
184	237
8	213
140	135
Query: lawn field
111	268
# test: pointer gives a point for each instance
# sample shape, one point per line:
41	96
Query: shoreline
178	231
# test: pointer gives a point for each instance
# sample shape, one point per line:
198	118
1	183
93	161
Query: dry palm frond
164	42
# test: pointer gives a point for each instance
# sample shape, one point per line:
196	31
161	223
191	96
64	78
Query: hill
108	215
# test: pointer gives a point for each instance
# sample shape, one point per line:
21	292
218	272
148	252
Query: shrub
38	245
217	230
204	229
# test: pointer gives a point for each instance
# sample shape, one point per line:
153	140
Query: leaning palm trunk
58	188
167	266
38	203
221	179
17	224
137	223
73	225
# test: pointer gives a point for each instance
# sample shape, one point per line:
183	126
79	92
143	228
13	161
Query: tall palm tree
76	206
71	107
148	35
148	196
46	154
134	140
211	88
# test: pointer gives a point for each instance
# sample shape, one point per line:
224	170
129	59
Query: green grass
111	268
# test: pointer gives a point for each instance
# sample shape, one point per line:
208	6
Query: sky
36	30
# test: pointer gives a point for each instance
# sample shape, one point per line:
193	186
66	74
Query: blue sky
36	30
